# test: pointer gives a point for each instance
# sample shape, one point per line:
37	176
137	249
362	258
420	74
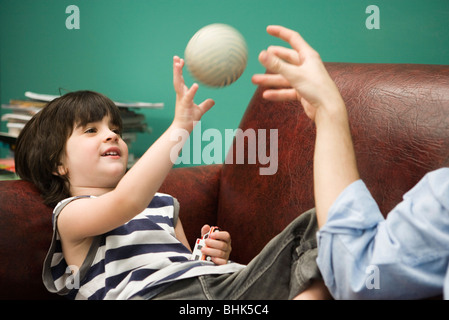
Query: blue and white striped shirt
139	258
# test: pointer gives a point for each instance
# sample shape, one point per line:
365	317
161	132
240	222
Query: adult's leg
283	269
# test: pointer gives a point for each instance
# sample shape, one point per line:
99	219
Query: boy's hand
218	245
187	112
297	73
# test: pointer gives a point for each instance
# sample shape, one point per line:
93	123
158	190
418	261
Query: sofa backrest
399	118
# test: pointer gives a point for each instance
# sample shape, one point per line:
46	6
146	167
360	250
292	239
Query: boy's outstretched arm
146	176
299	74
157	161
89	217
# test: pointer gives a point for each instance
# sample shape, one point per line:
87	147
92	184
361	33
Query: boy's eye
90	130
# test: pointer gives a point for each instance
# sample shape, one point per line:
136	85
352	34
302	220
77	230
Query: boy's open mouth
111	152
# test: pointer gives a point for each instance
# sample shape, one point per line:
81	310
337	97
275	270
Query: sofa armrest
196	189
25	235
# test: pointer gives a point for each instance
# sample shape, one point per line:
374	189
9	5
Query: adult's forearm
335	164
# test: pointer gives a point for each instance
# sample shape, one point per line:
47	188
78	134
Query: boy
115	237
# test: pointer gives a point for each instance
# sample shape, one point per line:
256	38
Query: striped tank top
139	258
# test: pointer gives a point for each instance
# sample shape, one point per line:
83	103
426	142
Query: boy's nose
111	136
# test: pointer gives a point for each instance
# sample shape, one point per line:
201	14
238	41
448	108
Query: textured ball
216	55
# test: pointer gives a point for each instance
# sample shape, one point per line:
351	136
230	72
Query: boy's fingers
215	253
178	80
219	261
222	236
217	256
190	94
206	105
205	229
217	245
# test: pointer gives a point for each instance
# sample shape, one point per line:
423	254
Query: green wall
124	48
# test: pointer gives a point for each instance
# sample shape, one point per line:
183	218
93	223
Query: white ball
216	55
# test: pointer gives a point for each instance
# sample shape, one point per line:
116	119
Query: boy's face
95	157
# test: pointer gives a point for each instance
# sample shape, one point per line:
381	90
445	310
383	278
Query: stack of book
7	169
18	112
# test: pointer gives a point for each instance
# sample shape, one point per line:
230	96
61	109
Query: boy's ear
60	170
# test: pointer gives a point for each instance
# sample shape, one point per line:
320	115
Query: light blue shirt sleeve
405	256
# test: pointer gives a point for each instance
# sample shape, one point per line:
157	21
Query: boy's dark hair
42	141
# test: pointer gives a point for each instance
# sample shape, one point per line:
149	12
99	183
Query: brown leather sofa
399	118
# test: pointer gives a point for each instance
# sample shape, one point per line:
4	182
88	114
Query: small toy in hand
197	254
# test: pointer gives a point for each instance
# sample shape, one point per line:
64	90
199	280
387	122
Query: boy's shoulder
63	203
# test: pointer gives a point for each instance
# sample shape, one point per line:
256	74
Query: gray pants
282	270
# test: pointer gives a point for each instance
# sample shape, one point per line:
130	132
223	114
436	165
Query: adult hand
296	73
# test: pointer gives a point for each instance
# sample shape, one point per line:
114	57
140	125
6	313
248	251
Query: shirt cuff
354	209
